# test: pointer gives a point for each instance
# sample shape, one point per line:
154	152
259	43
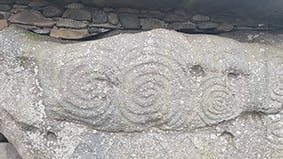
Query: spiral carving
88	89
150	89
218	101
278	78
275	135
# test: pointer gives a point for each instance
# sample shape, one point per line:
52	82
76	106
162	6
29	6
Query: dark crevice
3	138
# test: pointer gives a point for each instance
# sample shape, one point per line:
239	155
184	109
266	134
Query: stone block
155	95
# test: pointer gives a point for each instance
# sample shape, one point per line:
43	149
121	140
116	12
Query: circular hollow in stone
51	136
197	70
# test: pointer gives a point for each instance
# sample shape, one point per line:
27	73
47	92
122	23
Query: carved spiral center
149	89
89	86
218	101
88	89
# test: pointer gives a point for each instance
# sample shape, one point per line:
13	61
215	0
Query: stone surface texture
200	18
70	23
129	21
52	11
38	3
5	8
31	18
113	18
152	23
99	16
8	151
69	33
77	14
154	95
3	24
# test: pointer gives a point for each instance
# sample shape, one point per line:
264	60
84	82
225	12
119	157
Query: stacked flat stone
72	19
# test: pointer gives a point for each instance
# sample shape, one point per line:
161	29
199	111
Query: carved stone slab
157	94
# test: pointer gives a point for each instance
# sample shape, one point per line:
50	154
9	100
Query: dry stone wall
76	20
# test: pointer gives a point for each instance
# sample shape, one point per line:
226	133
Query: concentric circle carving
151	88
88	89
218	101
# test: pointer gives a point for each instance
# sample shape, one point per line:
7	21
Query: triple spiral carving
153	91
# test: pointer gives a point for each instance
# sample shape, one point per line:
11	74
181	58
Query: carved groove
278	80
275	135
88	89
275	84
275	74
148	92
218	101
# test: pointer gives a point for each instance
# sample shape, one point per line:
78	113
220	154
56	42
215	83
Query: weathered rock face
157	94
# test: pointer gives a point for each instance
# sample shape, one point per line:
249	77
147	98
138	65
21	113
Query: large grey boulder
156	94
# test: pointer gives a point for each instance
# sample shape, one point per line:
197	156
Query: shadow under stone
3	138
